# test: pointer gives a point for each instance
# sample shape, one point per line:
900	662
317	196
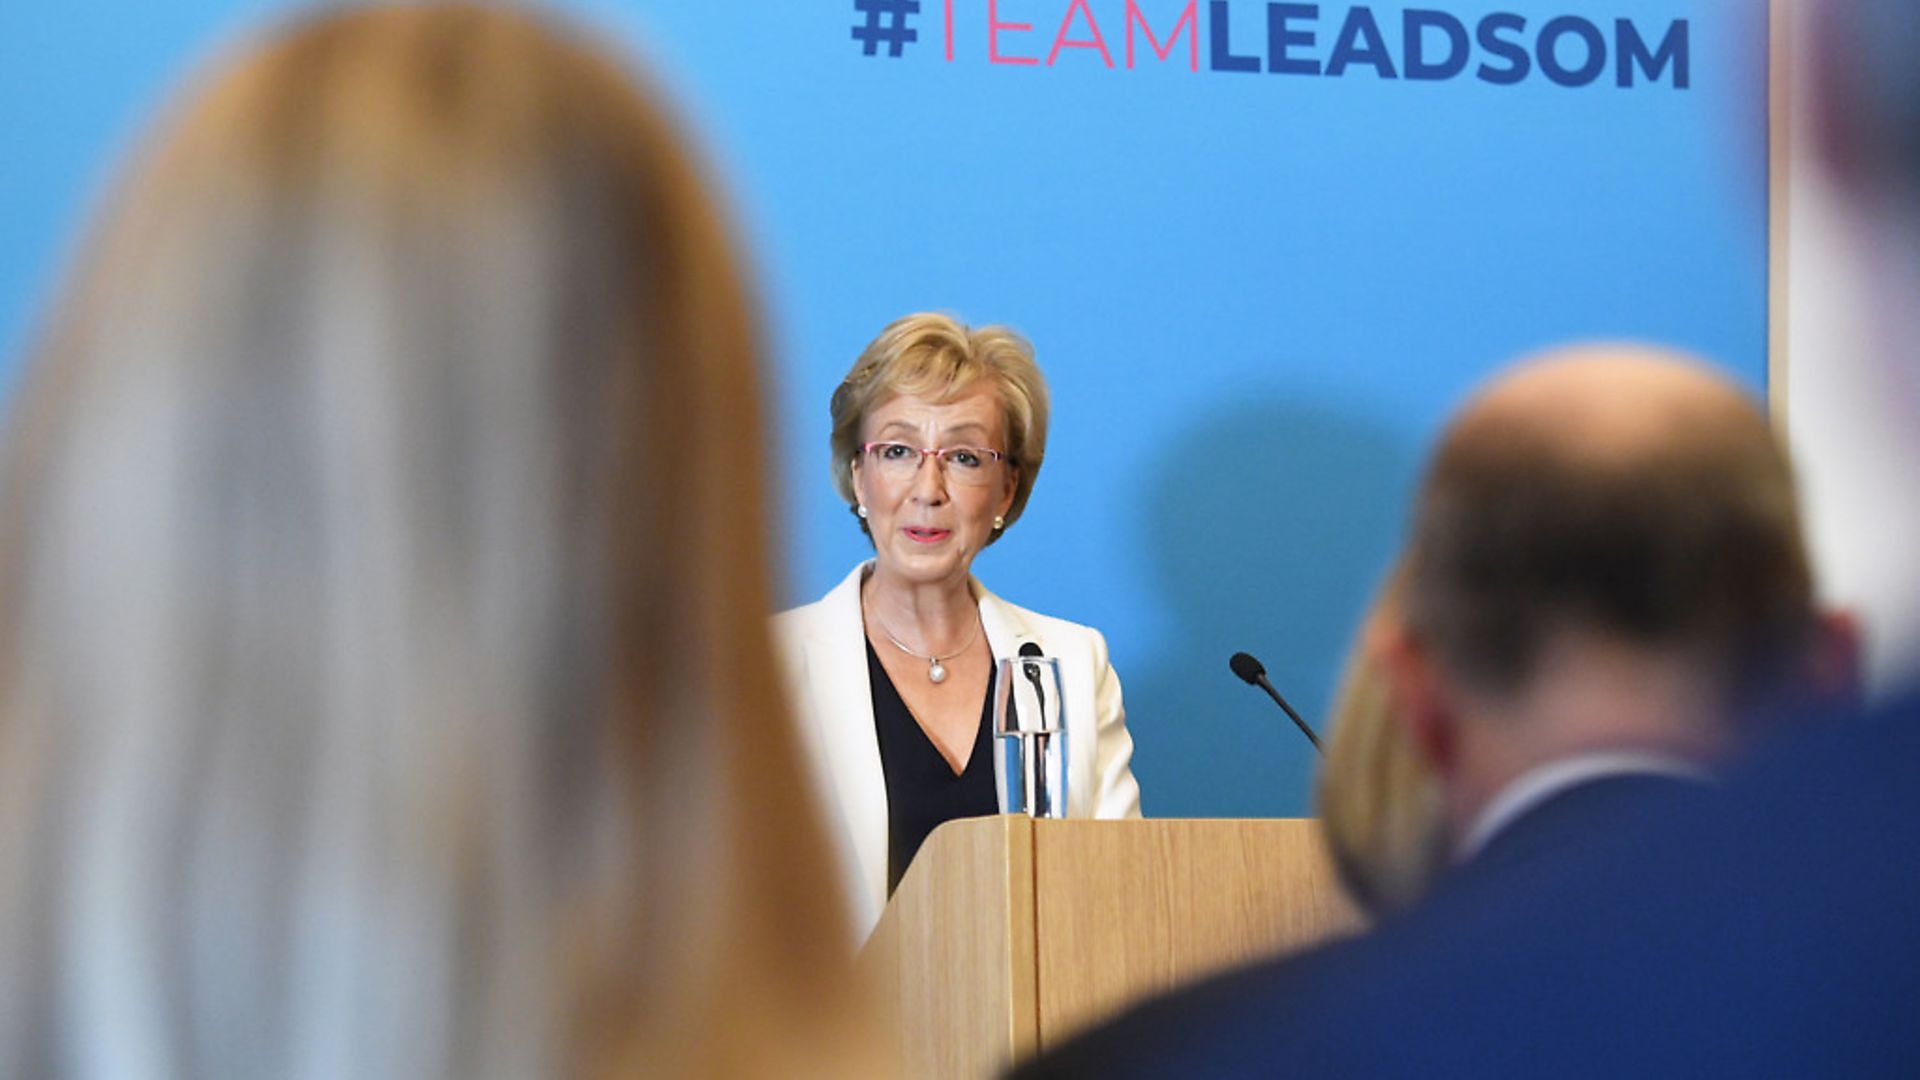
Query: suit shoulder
1053	625
793	629
1236	1024
795	617
842	597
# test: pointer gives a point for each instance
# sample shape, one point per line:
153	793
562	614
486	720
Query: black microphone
1028	650
1253	673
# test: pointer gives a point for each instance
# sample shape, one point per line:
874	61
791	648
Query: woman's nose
930	480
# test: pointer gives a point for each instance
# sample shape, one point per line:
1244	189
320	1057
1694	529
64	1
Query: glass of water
1029	725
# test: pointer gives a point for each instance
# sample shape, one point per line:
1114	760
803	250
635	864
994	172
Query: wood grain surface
1009	935
1125	909
954	951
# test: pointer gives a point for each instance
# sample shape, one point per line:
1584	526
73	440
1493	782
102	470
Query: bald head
1621	492
1613	403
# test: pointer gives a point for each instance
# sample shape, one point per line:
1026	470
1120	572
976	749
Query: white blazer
823	646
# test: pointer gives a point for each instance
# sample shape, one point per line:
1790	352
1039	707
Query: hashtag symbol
886	24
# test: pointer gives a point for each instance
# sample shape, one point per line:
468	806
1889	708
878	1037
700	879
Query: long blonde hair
384	680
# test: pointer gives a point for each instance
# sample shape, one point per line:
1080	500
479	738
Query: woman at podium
938	435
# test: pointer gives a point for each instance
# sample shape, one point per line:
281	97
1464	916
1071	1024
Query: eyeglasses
961	464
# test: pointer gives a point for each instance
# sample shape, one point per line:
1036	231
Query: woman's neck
927	617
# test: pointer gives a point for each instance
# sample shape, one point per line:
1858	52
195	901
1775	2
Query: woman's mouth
923	535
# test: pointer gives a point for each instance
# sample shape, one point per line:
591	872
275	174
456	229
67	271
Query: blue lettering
1348	49
1549	46
1281	39
1414	26
1220	55
1437	45
1633	50
1512	51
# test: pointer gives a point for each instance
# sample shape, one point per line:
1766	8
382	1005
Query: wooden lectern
1008	935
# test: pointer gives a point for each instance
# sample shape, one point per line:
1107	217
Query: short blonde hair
938	357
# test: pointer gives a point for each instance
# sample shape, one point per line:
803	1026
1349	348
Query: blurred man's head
1606	554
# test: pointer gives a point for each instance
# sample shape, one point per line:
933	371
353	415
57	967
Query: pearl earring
861	509
999	522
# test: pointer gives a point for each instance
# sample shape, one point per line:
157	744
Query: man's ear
1834	670
1423	701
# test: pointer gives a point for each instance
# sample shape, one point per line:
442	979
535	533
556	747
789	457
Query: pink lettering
1189	21
994	26
1061	41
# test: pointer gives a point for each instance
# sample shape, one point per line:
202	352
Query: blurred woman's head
938	360
382	670
1380	805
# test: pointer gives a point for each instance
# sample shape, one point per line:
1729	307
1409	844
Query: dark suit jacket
1301	1013
1770	929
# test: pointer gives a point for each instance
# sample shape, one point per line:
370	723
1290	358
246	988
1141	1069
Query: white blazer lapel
842	707
1006	629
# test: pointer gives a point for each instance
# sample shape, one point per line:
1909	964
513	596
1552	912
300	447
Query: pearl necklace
936	665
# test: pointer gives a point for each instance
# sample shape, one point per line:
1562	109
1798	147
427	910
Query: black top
922	791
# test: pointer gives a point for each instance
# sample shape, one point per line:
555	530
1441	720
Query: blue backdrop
1255	292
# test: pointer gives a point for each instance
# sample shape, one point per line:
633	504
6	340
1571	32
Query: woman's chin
926	564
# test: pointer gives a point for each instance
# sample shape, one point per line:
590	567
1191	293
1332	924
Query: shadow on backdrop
1269	526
